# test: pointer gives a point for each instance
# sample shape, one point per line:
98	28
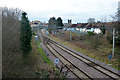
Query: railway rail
80	72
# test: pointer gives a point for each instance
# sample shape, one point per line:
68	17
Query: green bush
90	33
103	31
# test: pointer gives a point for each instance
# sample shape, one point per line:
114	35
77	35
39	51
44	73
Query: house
73	25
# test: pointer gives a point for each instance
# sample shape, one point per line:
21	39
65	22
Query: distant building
79	24
44	24
65	24
35	23
69	23
74	25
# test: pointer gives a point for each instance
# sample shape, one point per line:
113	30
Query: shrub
103	31
90	33
94	41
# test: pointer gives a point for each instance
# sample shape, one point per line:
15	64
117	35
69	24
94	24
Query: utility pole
79	32
70	36
113	42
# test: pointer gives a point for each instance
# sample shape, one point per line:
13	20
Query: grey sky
77	10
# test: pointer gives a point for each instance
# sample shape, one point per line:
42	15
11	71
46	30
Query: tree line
10	39
16	37
55	22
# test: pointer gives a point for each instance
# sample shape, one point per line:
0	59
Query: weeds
46	60
98	50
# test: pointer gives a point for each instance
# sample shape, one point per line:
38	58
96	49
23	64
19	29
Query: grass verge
45	58
88	51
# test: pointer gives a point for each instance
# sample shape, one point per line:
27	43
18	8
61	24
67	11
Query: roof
36	21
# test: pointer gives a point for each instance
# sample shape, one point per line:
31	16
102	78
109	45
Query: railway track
79	72
92	64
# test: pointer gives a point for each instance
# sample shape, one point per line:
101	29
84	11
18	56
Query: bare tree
10	37
114	18
91	20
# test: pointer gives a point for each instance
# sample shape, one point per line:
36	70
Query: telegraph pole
70	36
113	41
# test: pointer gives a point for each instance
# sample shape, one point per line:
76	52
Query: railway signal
110	57
56	60
36	38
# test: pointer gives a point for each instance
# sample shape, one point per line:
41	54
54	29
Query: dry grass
86	49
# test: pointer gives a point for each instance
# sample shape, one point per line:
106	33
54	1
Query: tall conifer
25	35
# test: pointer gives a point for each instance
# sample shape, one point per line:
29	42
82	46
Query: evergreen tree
52	21
59	22
118	27
25	35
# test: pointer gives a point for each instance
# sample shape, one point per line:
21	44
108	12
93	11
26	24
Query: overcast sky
77	10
